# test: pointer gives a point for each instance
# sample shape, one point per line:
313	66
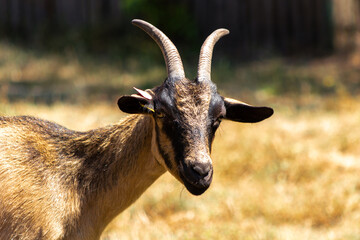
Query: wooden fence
30	14
283	25
287	26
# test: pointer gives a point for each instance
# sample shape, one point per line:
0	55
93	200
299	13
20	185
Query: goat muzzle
196	177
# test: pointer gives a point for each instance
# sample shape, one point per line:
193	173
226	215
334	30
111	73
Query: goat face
187	113
185	122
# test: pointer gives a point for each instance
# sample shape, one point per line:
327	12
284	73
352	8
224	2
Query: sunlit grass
286	178
293	176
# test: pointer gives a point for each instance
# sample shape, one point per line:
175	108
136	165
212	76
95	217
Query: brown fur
61	184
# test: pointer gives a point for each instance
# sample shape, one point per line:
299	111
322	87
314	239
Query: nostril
202	169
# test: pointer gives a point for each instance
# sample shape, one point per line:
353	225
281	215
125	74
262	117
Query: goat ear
242	112
135	104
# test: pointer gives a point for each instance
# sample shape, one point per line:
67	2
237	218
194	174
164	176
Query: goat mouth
195	185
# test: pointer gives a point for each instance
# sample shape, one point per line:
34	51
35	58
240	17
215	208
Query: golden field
293	176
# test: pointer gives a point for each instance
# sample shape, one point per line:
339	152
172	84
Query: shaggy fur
62	184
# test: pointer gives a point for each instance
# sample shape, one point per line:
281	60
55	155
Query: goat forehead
192	99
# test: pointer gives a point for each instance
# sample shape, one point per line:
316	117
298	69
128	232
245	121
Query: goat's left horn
174	66
204	68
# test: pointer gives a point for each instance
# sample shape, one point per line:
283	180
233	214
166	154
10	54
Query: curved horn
174	66
204	68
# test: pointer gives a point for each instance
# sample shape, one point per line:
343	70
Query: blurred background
294	176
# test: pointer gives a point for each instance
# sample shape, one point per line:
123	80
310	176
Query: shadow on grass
74	76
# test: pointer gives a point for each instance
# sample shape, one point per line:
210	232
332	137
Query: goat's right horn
204	68
174	66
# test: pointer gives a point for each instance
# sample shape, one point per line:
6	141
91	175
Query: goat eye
160	114
216	124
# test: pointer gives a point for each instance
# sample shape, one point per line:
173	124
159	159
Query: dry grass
294	176
39	76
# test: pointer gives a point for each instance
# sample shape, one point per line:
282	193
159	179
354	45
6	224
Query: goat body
62	184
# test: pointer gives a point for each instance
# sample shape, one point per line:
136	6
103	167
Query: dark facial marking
164	155
173	130
165	111
216	114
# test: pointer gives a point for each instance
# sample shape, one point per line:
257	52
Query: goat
58	183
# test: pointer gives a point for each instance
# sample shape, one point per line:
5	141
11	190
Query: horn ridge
174	66
204	67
